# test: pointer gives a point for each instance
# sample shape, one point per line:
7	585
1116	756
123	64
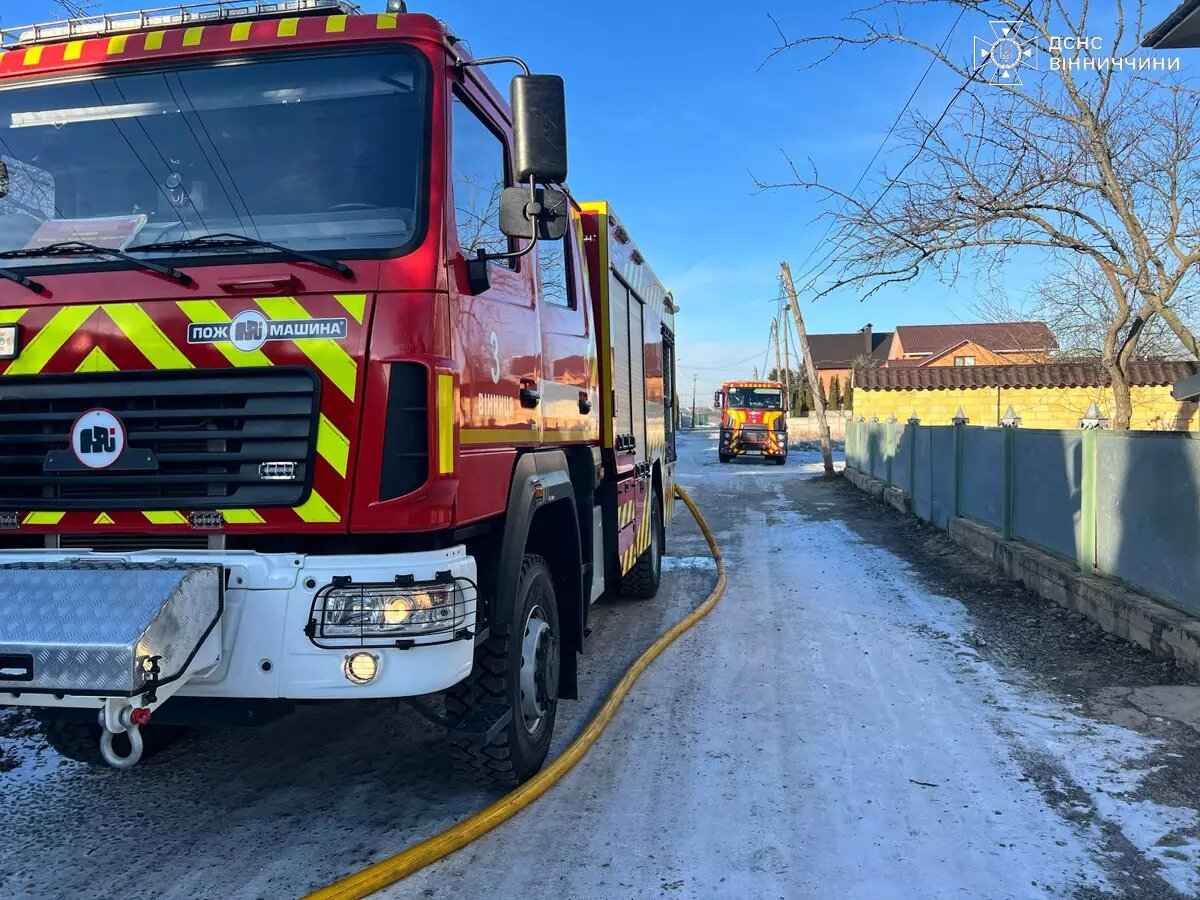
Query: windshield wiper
228	240
79	248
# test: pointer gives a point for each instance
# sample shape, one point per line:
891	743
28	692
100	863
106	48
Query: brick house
836	355
983	344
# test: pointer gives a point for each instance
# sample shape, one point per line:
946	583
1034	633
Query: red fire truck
316	383
753	420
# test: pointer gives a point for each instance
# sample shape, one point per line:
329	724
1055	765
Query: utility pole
756	373
787	366
778	358
694	377
802	335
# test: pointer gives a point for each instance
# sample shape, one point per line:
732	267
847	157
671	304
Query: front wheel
781	460
724	457
515	676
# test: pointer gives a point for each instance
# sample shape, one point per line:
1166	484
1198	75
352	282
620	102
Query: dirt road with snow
865	715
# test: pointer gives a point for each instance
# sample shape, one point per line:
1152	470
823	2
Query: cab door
570	393
499	348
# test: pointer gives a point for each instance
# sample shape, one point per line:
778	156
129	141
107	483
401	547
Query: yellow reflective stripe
445	405
325	353
287	27
240	32
242	517
492	435
74	50
335	24
166	517
10	316
116	44
191	37
145	334
96	361
154	40
43	518
210	311
49	340
317	510
333	446
104	519
355	304
385	20
32	56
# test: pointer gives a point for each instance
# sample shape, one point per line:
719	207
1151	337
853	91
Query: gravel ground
867	713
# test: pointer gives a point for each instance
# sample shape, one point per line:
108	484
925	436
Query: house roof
839	351
1180	29
1078	374
999	337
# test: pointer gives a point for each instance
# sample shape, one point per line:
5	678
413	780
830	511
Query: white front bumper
265	652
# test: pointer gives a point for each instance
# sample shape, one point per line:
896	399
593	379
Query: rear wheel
80	741
780	460
724	457
515	675
642	581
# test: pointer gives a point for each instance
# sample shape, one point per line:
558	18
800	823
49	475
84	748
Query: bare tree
1076	301
1095	156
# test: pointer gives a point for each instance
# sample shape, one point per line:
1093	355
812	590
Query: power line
883	143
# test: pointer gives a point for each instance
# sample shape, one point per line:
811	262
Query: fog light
361	668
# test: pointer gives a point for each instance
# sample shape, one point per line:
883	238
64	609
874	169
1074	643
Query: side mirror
548	210
539	110
717	400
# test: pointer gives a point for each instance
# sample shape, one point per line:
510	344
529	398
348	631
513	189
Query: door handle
530	395
585	403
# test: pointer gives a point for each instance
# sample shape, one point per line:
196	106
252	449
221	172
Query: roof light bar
207	12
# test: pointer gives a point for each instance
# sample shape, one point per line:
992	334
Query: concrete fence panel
879	450
1148	513
922	488
941	474
1047	484
983	475
901	454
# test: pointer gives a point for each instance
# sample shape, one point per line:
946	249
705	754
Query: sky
673	109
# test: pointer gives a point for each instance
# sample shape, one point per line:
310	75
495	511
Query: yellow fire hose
415	858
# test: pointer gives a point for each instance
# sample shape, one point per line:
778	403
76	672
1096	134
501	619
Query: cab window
479	169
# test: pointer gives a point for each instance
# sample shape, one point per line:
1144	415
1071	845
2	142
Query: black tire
781	460
642	581
724	457
518	751
80	741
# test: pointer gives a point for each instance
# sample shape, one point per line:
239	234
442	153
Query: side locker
637	375
618	304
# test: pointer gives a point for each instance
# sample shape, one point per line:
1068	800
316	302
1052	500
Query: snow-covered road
865	715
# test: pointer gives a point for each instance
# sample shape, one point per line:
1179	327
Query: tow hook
128	721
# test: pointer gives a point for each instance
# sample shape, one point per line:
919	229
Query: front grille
199	438
753	434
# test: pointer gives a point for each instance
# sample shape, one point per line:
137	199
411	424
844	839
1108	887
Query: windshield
755	398
313	153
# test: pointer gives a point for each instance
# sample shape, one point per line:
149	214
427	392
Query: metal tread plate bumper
116	629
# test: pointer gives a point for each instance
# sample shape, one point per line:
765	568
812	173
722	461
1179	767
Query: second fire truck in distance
753	420
316	383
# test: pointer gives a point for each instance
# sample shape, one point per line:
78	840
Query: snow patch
674	563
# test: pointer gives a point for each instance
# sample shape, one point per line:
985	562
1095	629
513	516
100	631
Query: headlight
365	611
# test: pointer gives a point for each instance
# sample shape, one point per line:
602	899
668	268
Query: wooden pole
802	338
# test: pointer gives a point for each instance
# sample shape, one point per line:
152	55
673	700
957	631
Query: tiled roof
999	337
839	351
1077	374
